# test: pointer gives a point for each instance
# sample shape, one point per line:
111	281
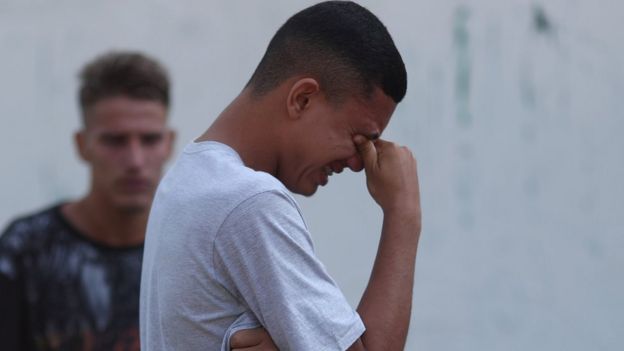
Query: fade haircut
342	45
127	73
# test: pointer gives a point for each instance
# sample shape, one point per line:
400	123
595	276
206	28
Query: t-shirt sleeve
264	256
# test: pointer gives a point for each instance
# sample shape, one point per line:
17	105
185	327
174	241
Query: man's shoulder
29	228
232	182
256	182
212	176
215	168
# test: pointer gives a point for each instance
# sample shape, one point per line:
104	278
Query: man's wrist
407	215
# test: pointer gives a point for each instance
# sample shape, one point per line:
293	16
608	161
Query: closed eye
372	137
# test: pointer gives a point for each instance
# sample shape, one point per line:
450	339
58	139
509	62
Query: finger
367	151
246	337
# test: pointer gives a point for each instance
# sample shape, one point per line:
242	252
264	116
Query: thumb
367	151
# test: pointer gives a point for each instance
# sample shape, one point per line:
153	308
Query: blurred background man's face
126	143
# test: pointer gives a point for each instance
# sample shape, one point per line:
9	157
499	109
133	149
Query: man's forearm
386	304
392	180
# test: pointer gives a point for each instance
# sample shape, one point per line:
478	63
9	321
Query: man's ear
80	139
300	95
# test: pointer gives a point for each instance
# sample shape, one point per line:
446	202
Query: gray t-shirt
227	249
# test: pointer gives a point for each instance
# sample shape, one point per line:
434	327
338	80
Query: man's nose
135	154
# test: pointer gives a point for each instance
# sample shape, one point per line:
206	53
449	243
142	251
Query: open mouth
329	170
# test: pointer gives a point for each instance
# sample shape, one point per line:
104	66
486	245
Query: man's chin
304	192
133	209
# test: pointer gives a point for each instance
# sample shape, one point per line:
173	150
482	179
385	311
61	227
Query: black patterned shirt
60	290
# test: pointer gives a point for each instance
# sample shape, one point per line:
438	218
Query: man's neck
105	224
247	126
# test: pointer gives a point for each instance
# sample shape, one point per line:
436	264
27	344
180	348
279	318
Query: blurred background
512	112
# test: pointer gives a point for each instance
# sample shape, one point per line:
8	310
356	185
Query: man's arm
385	306
263	253
257	339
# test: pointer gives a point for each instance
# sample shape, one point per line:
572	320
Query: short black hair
339	43
123	73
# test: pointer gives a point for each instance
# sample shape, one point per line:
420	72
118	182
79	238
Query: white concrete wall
512	111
